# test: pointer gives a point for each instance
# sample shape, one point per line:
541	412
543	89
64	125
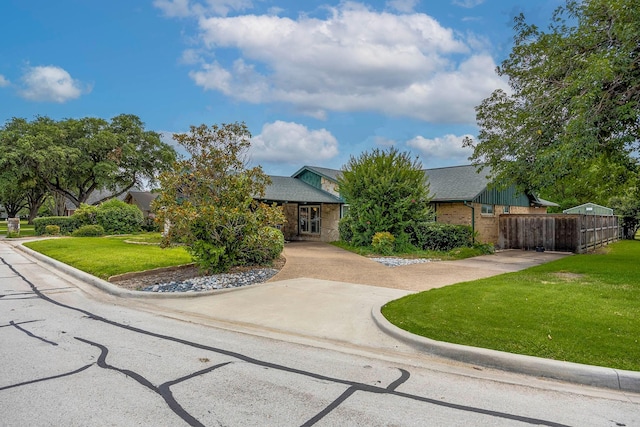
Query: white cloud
293	143
3	81
184	8
405	6
355	59
448	147
51	83
467	3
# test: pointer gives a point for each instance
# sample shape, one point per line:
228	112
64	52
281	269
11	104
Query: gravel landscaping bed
397	262
191	279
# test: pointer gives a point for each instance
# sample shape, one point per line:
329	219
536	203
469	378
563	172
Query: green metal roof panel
310	178
288	189
331	174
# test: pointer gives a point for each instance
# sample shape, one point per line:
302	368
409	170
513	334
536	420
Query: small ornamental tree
207	201
386	191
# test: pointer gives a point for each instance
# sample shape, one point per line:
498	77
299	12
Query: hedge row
113	216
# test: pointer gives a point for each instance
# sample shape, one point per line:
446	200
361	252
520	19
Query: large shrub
118	217
85	215
66	223
209	201
440	237
386	191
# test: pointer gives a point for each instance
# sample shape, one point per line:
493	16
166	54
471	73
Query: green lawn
25	229
107	256
582	308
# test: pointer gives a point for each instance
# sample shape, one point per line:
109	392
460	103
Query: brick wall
486	226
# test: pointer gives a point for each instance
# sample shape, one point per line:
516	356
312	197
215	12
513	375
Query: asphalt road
68	357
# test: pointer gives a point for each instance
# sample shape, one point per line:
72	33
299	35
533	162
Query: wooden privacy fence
565	233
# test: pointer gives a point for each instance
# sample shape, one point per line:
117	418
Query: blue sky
316	81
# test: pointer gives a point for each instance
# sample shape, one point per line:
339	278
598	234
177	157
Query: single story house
460	195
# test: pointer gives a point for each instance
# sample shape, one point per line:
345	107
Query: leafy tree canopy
386	191
208	200
77	157
572	115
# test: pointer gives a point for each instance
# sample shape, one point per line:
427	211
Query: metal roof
289	189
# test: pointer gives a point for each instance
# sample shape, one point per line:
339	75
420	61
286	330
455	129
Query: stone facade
329	186
486	225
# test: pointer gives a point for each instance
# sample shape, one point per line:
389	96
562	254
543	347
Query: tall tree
386	191
20	179
75	158
208	201
574	101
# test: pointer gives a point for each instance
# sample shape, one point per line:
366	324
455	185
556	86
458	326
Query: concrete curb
111	288
596	376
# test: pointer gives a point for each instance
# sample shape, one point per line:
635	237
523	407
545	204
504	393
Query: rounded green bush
52	230
118	217
89	231
382	243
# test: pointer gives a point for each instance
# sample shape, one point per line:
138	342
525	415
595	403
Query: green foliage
52	230
440	237
386	191
571	117
209	200
93	230
627	207
345	228
66	223
262	247
86	215
382	243
150	225
118	217
74	158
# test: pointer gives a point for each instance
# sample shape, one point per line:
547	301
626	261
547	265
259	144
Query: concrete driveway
327	293
327	262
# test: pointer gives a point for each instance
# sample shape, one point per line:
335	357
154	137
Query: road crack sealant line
352	386
597	376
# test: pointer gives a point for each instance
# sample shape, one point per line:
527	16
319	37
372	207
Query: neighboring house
142	199
313	206
96	196
589	209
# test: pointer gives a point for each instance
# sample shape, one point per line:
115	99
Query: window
309	217
345	211
487	210
505	209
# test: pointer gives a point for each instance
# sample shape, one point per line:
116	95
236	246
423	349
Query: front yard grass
108	256
582	308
